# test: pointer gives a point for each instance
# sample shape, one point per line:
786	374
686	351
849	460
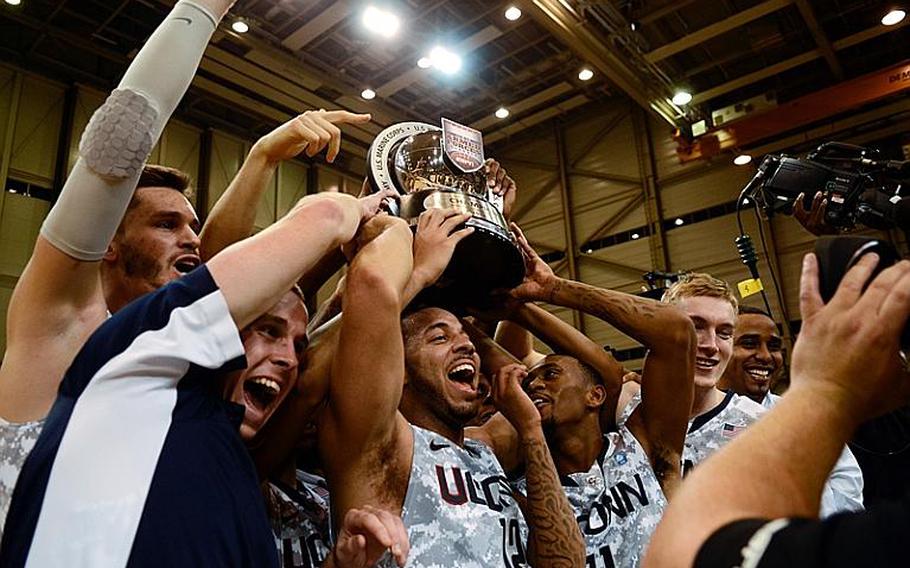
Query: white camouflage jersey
300	521
459	509
16	442
617	503
712	430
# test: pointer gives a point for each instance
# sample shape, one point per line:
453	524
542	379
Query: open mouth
261	392
539	400
464	375
186	263
705	364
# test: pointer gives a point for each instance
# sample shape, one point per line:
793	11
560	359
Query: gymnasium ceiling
301	54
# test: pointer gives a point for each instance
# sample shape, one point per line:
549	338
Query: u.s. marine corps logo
463	146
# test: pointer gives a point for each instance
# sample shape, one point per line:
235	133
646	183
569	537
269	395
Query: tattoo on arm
555	539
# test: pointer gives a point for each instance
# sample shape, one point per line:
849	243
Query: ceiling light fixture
678	221
381	22
893	17
238	26
742	159
446	61
14	2
635	236
501	112
585	74
682	98
746	201
424	63
513	13
368	94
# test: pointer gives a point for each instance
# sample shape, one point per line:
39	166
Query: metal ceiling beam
314	28
624	211
566	26
821	40
716	29
795	61
568	219
528	103
616	266
550	112
670	8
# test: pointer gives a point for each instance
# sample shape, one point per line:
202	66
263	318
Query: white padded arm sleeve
123	131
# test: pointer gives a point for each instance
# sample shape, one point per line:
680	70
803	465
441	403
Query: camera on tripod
860	187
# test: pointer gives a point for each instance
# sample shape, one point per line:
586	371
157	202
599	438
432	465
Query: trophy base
488	259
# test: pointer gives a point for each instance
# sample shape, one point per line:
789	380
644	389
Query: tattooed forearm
555	539
648	321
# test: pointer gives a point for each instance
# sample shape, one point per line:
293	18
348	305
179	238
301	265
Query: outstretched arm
234	214
554	538
58	300
668	372
769	471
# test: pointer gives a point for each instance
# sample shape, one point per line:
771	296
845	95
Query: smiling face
714	320
441	367
562	392
273	345
757	356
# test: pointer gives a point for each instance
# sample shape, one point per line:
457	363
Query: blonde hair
700	284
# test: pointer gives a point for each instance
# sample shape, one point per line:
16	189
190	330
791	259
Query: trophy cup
443	168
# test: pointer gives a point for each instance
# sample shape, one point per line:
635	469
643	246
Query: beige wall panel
6	291
87	102
713	187
179	148
615	154
291	185
37	130
590	215
19	226
665	157
7	81
227	155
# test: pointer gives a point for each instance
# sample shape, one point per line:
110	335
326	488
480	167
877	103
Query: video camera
860	187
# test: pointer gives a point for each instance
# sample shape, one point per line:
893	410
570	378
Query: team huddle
168	400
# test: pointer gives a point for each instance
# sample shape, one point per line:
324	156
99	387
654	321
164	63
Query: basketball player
617	482
74	277
392	435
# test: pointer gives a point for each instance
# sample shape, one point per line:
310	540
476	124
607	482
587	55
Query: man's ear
596	396
111	254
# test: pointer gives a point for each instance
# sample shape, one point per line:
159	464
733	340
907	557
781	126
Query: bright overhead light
368	94
678	221
446	61
635	236
424	63
682	98
585	74
893	17
633	26
238	26
742	159
746	201
589	250
512	13
381	22
501	112
14	2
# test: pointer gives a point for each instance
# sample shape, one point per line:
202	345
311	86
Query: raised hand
308	133
435	242
376	203
849	348
539	280
502	184
365	535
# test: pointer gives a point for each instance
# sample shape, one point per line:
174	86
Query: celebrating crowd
166	398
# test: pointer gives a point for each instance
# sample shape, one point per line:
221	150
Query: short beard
139	265
433	400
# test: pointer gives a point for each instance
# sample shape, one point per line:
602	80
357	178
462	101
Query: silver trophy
443	168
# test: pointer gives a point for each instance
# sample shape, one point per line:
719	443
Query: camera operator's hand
501	183
847	350
814	219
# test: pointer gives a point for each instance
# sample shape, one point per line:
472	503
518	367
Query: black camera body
860	187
